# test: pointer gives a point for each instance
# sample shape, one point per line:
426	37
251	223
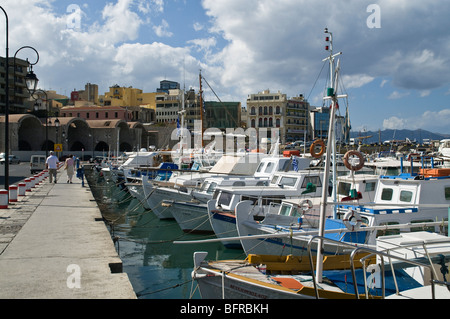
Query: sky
394	66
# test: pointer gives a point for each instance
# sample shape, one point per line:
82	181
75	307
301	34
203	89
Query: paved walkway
54	244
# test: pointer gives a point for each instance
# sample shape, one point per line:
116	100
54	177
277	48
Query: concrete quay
54	245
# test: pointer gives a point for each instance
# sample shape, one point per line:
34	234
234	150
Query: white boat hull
192	217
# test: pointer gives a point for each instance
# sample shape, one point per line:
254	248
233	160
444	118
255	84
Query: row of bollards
16	191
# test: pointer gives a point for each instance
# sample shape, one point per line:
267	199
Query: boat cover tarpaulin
344	280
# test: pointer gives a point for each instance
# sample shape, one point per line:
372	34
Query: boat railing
381	254
312	239
387	254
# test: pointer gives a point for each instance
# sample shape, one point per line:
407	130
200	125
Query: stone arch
102	147
28	132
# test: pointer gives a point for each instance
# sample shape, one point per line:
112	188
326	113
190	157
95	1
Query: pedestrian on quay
52	165
70	167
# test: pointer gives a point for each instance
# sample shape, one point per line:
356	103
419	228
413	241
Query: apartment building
18	92
275	111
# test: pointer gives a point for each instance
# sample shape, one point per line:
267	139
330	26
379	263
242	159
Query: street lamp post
7	99
57	123
46	119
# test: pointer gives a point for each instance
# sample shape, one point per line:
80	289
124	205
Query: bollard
28	182
32	182
13	193
36	180
22	189
3	199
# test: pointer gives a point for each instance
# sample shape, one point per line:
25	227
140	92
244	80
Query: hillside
388	135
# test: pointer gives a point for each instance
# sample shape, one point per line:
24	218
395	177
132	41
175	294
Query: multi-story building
165	86
297	119
90	94
168	105
274	111
320	122
18	93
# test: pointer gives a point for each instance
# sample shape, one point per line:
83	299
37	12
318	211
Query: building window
116	115
260	123
270	122
106	115
253	123
87	115
96	115
278	122
278	110
253	112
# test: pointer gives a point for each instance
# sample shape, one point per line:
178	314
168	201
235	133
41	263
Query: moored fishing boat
408	263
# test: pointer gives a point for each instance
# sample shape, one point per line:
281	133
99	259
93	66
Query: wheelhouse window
269	167
211	188
285	210
370	187
386	194
224	198
288	181
315	180
274	179
447	193
406	196
344	188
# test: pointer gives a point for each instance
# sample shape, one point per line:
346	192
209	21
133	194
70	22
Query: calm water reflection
157	268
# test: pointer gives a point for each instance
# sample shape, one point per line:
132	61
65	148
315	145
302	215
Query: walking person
52	165
70	164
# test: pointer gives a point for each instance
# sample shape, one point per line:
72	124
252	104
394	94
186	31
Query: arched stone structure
28	133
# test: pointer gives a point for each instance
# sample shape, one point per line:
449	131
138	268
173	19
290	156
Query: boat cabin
281	186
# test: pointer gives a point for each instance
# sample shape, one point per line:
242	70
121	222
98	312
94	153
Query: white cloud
198	26
162	30
434	121
357	80
398	95
393	123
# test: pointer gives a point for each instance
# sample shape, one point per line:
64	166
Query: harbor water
157	268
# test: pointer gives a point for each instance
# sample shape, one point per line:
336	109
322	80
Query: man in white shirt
52	165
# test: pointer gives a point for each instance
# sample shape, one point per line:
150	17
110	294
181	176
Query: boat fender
351	214
349	165
306	205
374	278
312	149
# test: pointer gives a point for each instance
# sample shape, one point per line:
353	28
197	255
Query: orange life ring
349	165
313	146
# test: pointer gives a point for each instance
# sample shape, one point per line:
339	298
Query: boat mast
331	95
201	106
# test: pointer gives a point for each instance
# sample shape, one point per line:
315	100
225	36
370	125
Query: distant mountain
402	135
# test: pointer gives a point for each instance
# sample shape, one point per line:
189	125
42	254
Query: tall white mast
331	94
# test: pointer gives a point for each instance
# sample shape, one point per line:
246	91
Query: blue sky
394	67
